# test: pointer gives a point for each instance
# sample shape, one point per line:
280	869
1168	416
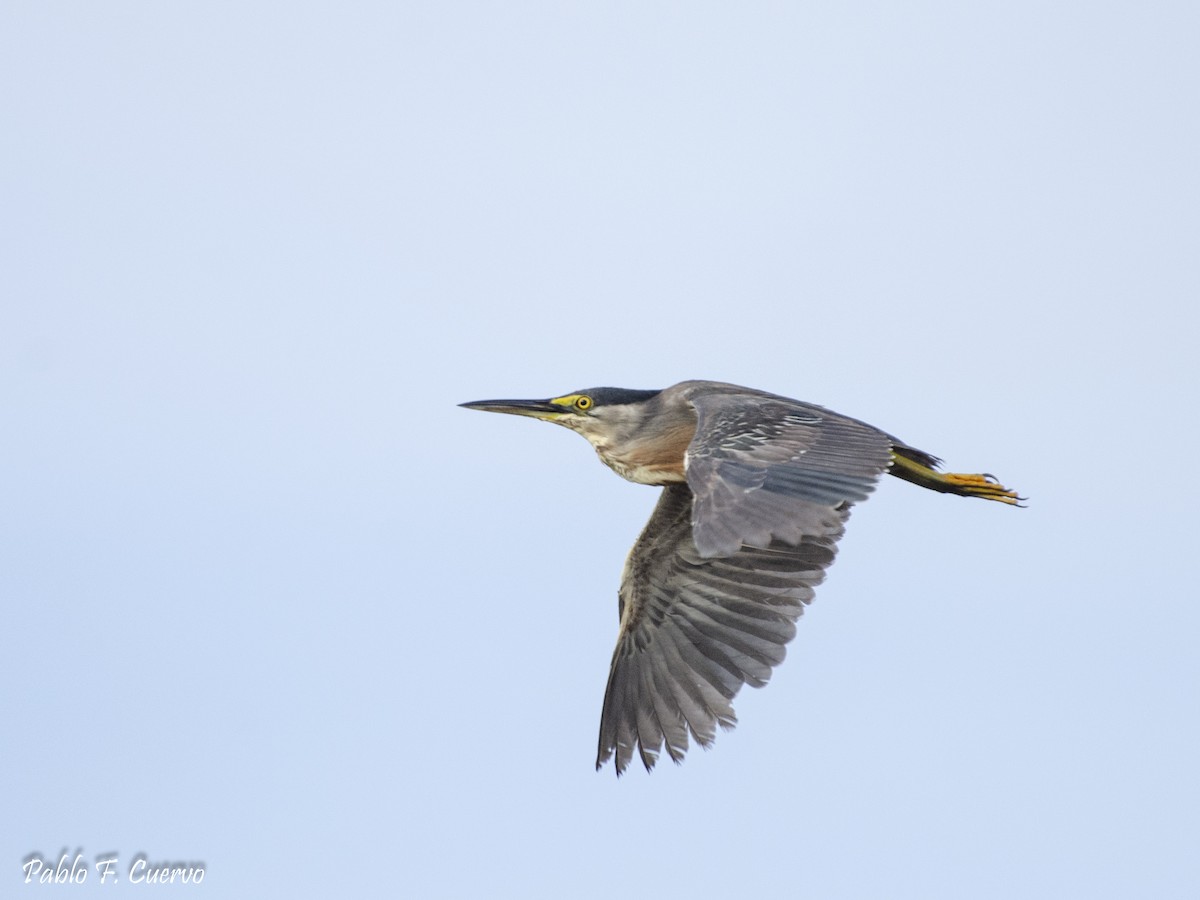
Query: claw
983	485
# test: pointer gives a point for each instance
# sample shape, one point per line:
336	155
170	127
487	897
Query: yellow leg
983	485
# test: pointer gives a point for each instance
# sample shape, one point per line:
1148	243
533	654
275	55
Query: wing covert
768	468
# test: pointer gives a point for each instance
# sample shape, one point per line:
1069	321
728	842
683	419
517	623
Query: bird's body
756	492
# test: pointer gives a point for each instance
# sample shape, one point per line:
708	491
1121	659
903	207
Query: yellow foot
926	475
984	485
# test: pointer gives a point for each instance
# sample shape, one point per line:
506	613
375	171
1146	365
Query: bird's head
599	414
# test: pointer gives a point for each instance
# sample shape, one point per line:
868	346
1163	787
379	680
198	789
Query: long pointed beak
538	409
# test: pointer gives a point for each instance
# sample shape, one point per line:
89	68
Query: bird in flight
756	492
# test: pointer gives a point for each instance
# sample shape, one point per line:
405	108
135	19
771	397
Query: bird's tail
920	468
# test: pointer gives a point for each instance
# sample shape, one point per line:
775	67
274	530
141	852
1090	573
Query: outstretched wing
768	468
695	629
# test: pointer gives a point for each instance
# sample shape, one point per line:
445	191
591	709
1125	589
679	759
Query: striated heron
757	490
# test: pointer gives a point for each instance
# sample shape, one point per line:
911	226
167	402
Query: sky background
274	603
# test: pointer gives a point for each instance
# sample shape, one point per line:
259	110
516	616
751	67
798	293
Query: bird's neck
659	464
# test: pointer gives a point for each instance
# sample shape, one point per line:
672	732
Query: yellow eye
583	403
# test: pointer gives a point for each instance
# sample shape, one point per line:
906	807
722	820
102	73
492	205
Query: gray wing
764	467
694	630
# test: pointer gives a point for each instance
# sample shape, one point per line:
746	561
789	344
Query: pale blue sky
275	603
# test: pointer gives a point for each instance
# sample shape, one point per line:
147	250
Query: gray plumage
694	629
757	489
